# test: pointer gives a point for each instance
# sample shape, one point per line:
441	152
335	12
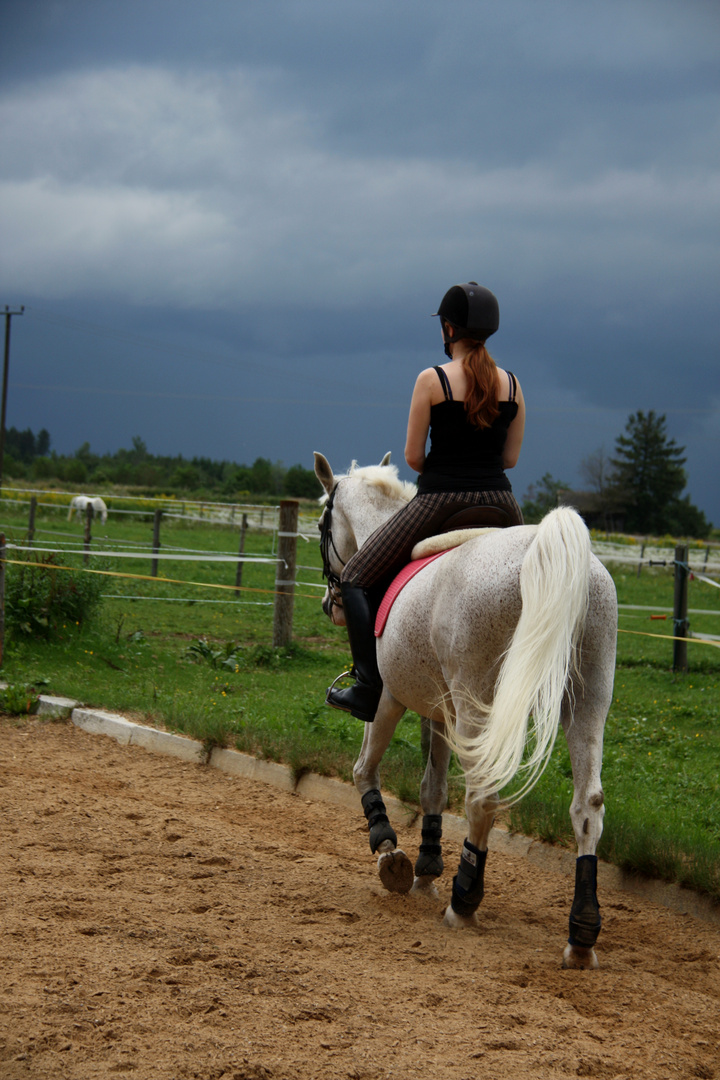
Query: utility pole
8	316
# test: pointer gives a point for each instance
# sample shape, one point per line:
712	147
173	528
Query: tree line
28	457
637	489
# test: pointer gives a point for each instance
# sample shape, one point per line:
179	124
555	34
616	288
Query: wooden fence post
31	521
2	597
642	552
87	539
680	619
285	575
241	551
156	542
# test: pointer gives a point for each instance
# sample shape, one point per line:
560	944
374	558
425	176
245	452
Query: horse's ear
386	459
323	472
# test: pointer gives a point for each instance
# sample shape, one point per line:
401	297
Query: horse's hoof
396	871
425	888
459	922
580	959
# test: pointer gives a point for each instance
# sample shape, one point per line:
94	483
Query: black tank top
463	457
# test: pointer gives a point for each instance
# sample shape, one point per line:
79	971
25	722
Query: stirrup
361	699
345	675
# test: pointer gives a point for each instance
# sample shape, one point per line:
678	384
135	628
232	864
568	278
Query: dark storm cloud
282	192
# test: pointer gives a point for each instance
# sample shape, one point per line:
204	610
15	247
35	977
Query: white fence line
71	547
217	512
655	557
167	500
639	555
160	554
667	608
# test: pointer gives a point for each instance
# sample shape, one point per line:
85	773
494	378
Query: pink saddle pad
406	574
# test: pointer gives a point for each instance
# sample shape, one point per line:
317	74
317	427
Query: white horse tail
554	585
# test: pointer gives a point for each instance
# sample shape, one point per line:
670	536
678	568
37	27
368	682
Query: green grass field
181	659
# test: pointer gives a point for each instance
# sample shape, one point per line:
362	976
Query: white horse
514	622
80	503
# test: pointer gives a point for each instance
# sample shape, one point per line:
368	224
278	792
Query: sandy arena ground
166	921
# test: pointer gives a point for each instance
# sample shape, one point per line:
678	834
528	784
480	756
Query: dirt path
165	921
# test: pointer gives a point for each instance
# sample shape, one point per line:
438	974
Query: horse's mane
384	477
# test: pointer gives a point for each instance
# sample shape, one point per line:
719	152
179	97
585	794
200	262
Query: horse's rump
461	610
495	641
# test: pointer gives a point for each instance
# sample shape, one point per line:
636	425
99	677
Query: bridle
327	547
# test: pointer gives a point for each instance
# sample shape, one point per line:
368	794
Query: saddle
477	517
464	525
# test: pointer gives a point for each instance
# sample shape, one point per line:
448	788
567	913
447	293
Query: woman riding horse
474	413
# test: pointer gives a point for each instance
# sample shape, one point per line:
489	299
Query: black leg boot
362	699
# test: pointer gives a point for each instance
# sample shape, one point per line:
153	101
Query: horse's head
100	508
356	504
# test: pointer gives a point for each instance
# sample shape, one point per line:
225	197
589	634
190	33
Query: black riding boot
362	699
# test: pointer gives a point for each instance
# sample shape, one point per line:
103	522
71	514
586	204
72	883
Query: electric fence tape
670	637
160	580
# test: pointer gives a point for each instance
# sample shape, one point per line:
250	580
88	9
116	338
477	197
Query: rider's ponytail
481	401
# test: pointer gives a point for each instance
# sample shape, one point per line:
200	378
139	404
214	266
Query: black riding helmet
470	309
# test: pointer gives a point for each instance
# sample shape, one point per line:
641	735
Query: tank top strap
513	385
444	382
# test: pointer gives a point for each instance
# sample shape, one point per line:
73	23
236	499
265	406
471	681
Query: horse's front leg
433	799
394	867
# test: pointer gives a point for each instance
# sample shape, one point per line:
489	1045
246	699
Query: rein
327	547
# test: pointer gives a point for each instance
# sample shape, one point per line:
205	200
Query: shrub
75	471
43	468
17	700
39	599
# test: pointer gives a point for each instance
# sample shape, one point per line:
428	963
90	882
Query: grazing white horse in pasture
80	503
513	623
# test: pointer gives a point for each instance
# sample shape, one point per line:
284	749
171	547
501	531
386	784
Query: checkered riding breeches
388	549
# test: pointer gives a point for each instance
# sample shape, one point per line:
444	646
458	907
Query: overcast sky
229	221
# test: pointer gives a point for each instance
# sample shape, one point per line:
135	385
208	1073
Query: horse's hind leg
469	882
433	799
584	734
394	866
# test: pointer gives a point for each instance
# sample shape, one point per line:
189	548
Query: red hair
481	402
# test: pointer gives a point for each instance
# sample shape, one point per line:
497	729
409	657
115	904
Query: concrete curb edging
324	789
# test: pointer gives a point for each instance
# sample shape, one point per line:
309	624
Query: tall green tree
25	446
542	497
648	473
